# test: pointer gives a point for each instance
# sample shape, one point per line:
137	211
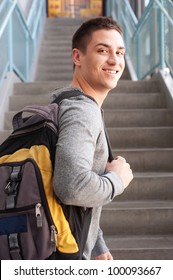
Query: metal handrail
134	39
30	37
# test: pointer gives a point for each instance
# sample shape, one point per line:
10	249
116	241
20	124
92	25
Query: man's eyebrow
109	46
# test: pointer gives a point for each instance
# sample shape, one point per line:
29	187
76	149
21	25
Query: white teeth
111	71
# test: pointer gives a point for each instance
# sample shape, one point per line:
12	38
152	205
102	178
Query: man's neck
89	90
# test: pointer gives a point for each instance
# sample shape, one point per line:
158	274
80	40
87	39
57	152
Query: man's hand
105	256
121	168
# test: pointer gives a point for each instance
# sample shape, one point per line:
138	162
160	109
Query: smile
111	71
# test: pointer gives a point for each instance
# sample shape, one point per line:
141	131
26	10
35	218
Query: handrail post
108	8
27	56
162	39
138	58
10	45
125	30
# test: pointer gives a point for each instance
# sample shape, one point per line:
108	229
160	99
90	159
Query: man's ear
76	56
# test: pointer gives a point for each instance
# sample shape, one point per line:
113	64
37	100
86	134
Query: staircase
138	224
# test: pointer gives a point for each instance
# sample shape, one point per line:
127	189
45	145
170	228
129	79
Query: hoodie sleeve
75	180
100	246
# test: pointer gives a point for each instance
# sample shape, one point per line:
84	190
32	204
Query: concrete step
54	77
56	48
63	21
138	117
141	137
149	186
113	101
38	88
113	118
53	42
59	30
3	135
55	53
123	87
137	217
59	35
117	100
54	56
17	102
62	59
148	159
141	247
55	68
128	86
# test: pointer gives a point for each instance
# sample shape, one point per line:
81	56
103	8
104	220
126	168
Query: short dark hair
83	34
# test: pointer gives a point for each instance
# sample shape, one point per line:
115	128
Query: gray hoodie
80	178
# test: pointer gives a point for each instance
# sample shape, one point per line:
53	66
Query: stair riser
122	138
56	68
122	87
137	221
34	89
148	160
54	77
127	118
62	59
62	36
143	254
130	101
3	135
113	101
55	48
148	188
54	57
112	118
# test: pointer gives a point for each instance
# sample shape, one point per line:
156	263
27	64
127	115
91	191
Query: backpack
34	224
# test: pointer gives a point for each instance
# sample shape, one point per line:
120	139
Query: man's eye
102	51
120	53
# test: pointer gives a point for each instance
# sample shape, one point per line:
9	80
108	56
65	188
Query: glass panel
3	53
149	43
19	45
169	37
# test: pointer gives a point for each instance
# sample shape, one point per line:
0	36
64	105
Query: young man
83	176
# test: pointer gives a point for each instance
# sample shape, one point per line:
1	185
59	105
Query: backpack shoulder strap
68	94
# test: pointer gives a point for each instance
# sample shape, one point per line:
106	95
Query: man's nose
113	59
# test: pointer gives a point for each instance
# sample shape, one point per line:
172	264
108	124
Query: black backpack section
29	227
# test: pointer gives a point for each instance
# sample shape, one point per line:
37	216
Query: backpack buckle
11	188
14	246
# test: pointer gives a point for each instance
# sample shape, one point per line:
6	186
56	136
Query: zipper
16	210
38	215
53	238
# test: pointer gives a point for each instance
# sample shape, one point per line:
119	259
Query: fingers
120	158
121	168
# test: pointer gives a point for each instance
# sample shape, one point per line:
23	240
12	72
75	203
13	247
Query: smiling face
102	64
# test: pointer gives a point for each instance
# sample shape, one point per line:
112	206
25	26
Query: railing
148	40
19	37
